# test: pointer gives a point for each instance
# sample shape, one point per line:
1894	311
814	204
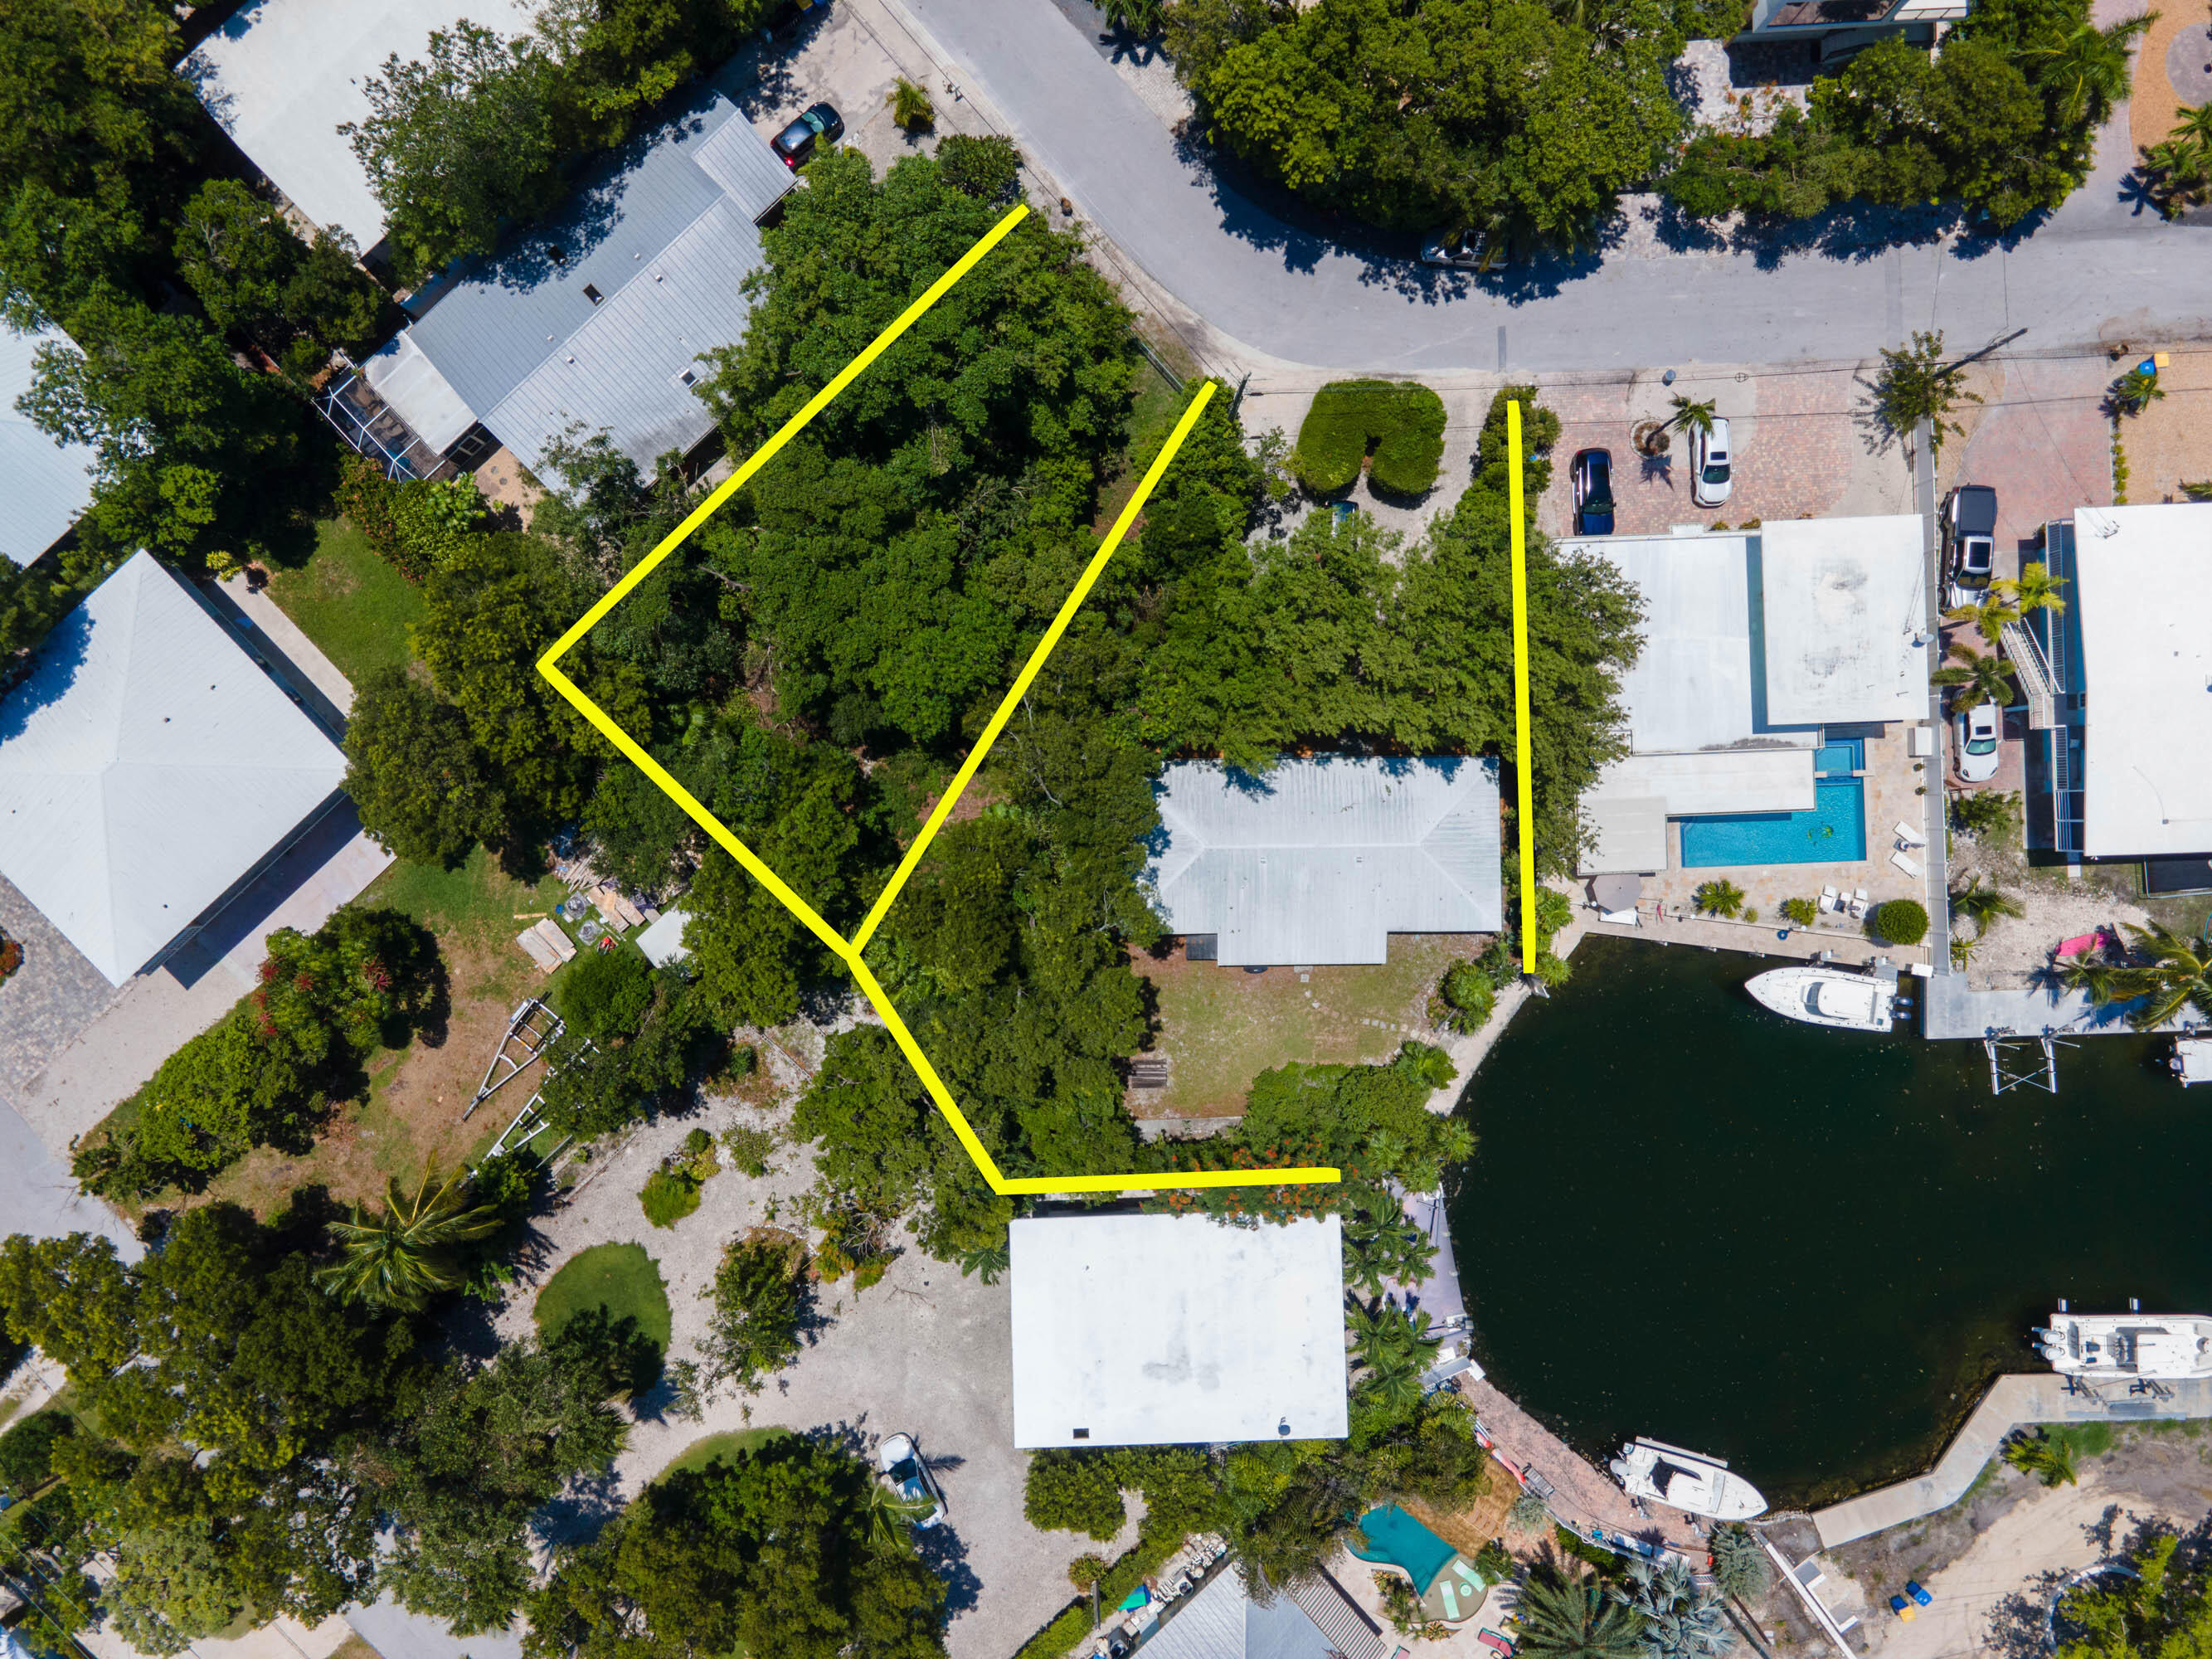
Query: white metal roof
1321	860
662	941
2142	577
282	76
43	484
405	377
1692	685
1845	606
146	765
1174	1329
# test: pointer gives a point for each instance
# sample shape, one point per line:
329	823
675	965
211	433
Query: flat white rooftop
2144	582
280	77
1845	606
46	484
1694	685
1139	1330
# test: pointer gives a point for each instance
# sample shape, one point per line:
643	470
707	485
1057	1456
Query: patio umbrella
1617	892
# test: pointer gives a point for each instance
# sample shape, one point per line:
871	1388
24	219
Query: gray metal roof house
596	319
45	484
1321	860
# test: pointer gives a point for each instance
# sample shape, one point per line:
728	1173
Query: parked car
903	1465
1477	251
1710	465
816	124
1979	729
1970	544
1593	477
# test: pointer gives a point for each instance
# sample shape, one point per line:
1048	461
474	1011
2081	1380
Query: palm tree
2086	69
2035	589
1378	1254
1982	905
1140	18
2135	391
1380	1336
910	106
1740	1565
1694	416
2094	974
1983	677
1990	615
891	1513
1718	898
2178	975
2042	1454
1682	1619
399	1258
1563	1618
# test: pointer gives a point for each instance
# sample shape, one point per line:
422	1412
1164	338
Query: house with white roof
46	484
1241	1336
2125	771
1320	861
149	770
1758	646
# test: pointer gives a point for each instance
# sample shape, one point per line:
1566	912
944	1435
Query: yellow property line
1526	791
848	952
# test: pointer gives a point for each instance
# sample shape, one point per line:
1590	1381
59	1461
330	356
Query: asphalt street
2099	269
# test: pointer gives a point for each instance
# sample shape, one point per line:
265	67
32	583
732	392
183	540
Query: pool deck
2011	1402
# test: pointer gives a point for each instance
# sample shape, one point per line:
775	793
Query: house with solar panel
1321	860
591	321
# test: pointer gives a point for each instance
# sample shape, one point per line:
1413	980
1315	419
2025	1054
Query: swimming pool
1840	755
1833	832
1396	1537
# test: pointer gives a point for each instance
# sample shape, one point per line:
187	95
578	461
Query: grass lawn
1221	1027
620	1278
355	1648
717	1447
350	602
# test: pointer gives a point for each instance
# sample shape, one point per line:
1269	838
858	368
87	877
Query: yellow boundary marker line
848	952
1524	788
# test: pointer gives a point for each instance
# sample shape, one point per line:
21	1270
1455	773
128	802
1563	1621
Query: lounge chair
1907	836
1829	901
1859	894
1857	908
1910	866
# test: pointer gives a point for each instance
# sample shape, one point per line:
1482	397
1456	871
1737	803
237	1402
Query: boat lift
532	1029
2010	1068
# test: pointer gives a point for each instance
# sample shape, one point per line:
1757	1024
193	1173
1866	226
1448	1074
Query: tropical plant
1141	18
1740	1568
1403	1608
2135	391
1682	1619
1988	615
2034	589
1693	415
1379	1253
909	106
1963	948
1985	812
2086	70
891	1514
1800	912
986	1261
1468	996
1981	677
2198	490
1718	898
1914	384
1982	905
400	1257
2044	1454
1529	1512
1901	921
1572	1617
2178	976
2093	974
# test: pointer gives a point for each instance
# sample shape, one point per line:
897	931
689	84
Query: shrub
669	1196
1800	912
760	1297
1985	812
1901	921
1468	997
1528	1512
604	993
27	1450
909	106
1740	1565
986	168
1493	1562
748	1148
1402	424
1403	1608
1073	1492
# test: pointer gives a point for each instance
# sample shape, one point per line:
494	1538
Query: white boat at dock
1828	996
2191	1059
1685	1481
2159	1346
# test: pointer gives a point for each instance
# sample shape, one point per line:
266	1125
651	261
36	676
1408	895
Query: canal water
1803	1250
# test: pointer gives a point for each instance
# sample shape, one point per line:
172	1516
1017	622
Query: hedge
1901	921
1401	422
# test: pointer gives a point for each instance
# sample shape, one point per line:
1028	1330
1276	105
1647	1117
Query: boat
1685	1481
2191	1059
2133	1344
1828	996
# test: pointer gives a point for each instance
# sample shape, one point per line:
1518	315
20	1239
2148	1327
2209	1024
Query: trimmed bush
604	993
986	168
1901	921
1400	424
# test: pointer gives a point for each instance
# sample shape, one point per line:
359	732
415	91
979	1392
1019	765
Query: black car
816	124
1593	477
1970	539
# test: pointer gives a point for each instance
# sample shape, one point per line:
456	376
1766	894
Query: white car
910	1477
1979	729
1711	464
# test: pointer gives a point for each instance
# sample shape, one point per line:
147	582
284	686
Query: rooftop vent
592	294
557	254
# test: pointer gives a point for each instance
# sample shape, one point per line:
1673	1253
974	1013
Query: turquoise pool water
1844	755
1833	832
1396	1537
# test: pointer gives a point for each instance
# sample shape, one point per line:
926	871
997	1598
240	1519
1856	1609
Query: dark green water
1801	1250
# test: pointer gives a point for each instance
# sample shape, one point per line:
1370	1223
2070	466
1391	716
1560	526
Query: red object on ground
2075	947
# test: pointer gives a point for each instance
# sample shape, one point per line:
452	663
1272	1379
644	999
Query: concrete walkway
1955	1012
2011	1402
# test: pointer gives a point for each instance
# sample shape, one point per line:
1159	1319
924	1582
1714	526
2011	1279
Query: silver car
1712	465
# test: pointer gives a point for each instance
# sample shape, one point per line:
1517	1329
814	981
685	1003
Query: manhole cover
2189	65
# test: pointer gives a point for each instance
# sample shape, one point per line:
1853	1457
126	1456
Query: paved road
38	1196
2097	270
